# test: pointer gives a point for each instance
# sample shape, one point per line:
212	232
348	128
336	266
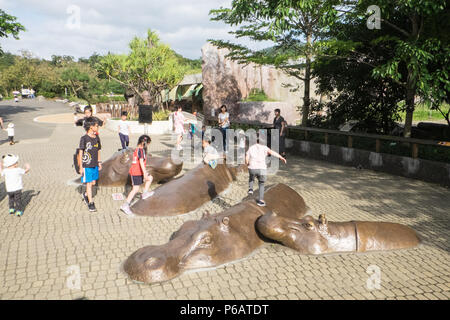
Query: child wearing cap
9	169
10	130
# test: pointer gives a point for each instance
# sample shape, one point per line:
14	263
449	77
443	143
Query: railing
116	109
409	147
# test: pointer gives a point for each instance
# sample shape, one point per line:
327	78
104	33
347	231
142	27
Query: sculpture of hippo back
310	236
188	192
114	171
212	240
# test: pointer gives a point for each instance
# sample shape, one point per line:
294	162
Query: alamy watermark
237	142
73	22
374	20
73	281
374	281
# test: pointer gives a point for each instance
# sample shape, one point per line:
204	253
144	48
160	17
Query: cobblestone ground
57	233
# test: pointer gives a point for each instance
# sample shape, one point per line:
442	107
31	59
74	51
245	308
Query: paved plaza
57	234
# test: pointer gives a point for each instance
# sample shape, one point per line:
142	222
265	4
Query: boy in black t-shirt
89	159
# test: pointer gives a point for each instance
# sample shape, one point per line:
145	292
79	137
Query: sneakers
260	203
85	199
19	213
147	194
91	207
250	191
126	208
12	211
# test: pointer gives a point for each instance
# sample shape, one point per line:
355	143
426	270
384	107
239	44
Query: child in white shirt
9	169
257	167
10	130
124	131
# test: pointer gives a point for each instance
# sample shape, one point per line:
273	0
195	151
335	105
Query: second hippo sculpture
187	193
310	236
212	240
114	171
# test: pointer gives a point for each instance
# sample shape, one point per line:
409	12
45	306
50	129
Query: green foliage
162	115
9	26
151	66
257	95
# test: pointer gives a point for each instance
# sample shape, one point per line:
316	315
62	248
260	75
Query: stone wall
430	171
227	82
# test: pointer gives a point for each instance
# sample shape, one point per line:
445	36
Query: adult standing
280	124
178	125
224	124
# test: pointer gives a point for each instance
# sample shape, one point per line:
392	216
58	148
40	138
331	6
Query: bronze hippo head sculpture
310	236
114	171
212	240
188	192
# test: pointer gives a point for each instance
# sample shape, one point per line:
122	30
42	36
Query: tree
9	26
347	77
294	26
415	43
150	68
81	80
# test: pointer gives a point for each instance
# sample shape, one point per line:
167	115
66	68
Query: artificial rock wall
228	82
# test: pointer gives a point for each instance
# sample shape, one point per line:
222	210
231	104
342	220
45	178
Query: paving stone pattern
56	233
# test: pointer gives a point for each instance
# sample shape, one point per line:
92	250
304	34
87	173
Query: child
16	99
178	124
13	182
10	131
256	161
124	131
139	173
89	159
210	155
87	114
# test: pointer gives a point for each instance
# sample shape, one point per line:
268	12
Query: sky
81	27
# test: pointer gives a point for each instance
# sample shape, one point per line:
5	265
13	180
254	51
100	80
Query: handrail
414	143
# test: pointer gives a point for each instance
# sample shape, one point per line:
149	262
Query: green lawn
423	113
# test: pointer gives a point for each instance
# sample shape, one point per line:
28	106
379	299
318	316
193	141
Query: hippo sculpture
188	192
310	236
212	240
114	171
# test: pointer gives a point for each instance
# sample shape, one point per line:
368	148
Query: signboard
145	113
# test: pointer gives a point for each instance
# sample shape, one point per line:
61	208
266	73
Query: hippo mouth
152	264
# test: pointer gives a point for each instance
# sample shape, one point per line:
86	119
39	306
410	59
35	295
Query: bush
257	95
48	95
161	115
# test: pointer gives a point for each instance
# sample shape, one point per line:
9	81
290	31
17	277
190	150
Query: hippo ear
322	219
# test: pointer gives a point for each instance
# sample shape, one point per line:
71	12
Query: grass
257	95
423	113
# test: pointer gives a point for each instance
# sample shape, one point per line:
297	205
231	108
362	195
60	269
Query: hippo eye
308	225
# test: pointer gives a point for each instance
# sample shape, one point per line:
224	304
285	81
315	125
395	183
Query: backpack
75	161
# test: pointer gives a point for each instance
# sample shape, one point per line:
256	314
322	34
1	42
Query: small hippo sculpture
114	171
310	236
188	192
212	240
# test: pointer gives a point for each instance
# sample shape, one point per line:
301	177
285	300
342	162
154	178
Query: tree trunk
307	82
410	94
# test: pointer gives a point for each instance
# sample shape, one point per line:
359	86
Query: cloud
109	25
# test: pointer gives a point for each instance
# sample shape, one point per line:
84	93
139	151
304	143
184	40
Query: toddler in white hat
9	169
10	130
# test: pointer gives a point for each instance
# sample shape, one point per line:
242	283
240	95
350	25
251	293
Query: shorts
260	174
89	175
179	130
137	180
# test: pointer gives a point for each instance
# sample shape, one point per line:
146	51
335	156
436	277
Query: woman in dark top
279	123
